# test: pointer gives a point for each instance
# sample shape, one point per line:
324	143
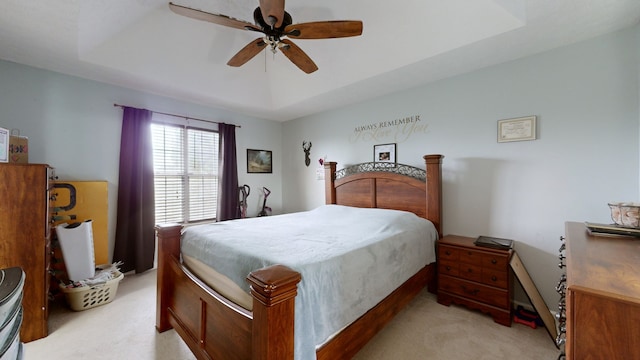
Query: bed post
434	190
168	248
329	185
274	291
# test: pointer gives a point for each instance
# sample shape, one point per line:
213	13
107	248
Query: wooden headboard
381	185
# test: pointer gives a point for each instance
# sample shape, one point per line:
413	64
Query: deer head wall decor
306	147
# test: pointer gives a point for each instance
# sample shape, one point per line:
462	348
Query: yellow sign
91	203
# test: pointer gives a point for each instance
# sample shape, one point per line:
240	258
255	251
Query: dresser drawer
465	271
470	256
495	261
497	278
470	272
467	256
488	276
448	267
475	291
448	253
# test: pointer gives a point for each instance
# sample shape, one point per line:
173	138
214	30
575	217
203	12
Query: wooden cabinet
476	277
602	295
25	238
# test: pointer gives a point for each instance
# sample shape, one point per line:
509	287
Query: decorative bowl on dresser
476	277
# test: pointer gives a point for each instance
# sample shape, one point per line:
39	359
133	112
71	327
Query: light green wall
586	99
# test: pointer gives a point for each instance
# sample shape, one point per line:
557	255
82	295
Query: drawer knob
469	270
494	278
447	252
448	268
494	261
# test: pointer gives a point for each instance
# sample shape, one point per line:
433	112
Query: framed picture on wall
384	153
259	161
4	145
517	129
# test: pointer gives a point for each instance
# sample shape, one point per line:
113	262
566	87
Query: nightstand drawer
470	272
448	267
475	291
491	261
497	278
448	253
465	271
469	256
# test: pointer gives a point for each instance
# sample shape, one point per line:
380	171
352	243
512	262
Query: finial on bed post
329	179
434	190
274	291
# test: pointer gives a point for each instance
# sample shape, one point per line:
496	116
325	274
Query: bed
216	326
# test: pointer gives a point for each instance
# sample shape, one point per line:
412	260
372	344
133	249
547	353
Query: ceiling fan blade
213	18
272	12
297	56
247	53
324	29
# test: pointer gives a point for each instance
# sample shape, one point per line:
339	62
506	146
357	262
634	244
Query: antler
306	145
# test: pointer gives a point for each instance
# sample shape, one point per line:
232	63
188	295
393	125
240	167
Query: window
185	163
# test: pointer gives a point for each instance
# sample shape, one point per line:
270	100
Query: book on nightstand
494	243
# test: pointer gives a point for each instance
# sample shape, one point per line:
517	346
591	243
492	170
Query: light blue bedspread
349	258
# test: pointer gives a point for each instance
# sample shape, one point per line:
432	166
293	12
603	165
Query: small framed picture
4	145
384	153
259	161
517	129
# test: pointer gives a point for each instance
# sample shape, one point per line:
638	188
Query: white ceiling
141	44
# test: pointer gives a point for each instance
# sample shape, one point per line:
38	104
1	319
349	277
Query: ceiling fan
277	26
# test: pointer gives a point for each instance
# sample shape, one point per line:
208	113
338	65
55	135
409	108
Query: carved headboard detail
381	185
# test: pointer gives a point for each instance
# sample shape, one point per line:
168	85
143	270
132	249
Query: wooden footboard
215	328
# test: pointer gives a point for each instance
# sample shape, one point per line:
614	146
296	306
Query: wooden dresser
474	276
25	238
602	295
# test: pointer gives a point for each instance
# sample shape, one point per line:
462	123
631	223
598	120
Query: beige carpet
124	329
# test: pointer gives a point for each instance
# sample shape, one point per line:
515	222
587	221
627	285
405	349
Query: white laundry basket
87	297
76	242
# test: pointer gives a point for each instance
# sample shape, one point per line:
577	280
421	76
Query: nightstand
476	277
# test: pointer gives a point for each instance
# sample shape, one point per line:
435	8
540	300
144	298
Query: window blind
185	162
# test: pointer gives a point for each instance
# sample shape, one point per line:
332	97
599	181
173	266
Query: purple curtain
135	234
229	200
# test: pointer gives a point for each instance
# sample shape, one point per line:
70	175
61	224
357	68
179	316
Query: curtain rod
182	116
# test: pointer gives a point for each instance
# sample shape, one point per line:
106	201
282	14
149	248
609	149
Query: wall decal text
397	130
